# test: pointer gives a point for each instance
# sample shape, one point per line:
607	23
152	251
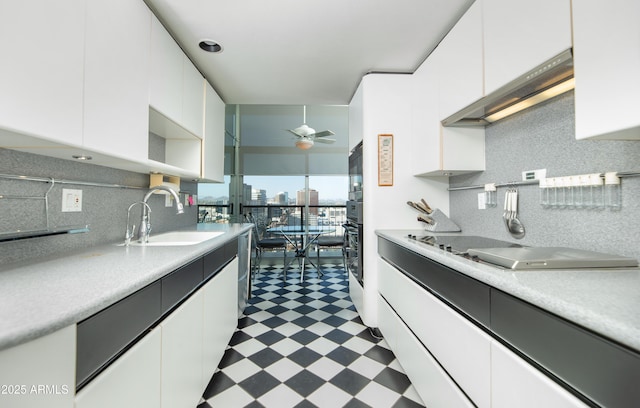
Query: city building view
273	202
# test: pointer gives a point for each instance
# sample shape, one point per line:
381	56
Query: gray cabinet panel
179	283
604	371
107	333
465	294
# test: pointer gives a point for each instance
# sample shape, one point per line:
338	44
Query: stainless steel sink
178	238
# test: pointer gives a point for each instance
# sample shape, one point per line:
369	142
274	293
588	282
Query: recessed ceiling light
81	157
210	46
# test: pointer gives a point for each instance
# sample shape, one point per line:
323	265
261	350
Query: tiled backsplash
104	209
543	138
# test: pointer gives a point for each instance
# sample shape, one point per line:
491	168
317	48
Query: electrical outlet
71	200
534	174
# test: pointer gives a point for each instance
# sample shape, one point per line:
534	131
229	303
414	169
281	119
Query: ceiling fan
306	136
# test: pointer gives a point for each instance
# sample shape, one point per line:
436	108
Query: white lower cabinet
131	381
433	384
181	377
459	346
40	373
220	301
515	383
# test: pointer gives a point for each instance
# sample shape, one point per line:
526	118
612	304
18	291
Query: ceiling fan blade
323	133
325	140
295	133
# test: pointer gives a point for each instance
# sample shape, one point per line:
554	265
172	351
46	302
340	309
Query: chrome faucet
129	233
145	222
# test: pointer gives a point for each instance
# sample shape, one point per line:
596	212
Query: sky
329	187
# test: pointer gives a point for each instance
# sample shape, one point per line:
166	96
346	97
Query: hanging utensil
516	228
507	208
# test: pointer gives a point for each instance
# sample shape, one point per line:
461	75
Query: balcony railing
268	216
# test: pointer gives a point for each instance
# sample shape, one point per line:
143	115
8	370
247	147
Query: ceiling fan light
304	144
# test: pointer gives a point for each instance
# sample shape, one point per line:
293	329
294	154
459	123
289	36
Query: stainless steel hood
533	87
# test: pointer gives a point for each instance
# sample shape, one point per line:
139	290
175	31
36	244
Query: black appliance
354	223
355	173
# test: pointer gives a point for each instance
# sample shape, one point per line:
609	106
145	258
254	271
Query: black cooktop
460	244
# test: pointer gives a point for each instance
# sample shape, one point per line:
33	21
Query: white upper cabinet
425	118
41	74
213	143
446	82
116	78
176	88
606	45
519	35
460	71
165	92
193	91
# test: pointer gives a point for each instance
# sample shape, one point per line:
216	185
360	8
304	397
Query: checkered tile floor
304	345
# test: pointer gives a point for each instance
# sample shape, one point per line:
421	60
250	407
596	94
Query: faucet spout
145	223
179	206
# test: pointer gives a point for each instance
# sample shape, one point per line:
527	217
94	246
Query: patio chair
333	241
261	244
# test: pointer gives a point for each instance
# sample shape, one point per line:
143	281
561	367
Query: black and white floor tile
304	345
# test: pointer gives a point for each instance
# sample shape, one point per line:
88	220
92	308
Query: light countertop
605	301
40	296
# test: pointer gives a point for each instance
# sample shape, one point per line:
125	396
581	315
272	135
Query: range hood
547	80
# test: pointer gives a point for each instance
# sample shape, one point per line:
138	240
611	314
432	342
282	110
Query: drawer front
465	294
515	383
104	335
459	346
179	283
432	383
603	371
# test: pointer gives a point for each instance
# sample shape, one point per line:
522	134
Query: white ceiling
305	52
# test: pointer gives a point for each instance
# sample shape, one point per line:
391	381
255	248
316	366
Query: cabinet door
461	68
181	377
432	383
131	381
606	45
515	383
116	95
426	118
460	347
165	89
214	136
192	98
47	361
41	75
519	35
439	150
387	323
220	317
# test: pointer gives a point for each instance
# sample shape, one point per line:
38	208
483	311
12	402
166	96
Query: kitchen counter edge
43	295
603	301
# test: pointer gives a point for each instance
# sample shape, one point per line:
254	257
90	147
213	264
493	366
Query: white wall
385	103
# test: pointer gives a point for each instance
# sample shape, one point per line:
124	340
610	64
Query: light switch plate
71	200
